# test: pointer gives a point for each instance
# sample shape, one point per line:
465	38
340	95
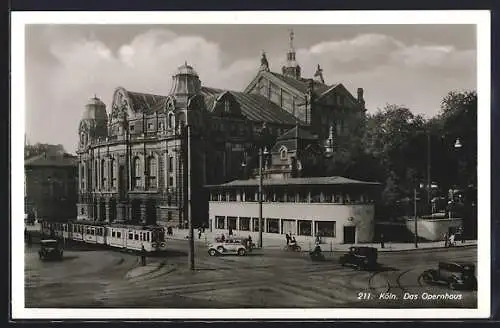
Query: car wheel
212	252
241	252
298	249
220	249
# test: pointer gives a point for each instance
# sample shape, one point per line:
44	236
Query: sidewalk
278	243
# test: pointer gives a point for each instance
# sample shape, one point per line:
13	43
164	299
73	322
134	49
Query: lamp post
415	215
262	152
188	205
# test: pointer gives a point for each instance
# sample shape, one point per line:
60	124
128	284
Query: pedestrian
318	240
287	236
29	239
199	233
249	242
222	238
143	256
382	242
452	240
445	240
230	231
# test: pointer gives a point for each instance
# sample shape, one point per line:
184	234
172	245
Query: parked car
455	274
230	246
50	250
360	257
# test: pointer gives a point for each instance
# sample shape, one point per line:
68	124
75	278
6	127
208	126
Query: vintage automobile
229	246
360	257
50	250
456	275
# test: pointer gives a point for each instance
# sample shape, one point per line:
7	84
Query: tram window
147	236
88	231
118	234
66	228
136	237
93	231
130	236
113	233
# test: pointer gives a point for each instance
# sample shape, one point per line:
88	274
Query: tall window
152	172
171	121
112	174
103	174
96	167
137	172
82	175
226	106
171	164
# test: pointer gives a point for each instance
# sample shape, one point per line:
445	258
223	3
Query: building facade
50	186
336	209
133	160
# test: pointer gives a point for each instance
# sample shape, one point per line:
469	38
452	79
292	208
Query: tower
292	68
94	123
185	84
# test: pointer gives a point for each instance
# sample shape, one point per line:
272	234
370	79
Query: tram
115	235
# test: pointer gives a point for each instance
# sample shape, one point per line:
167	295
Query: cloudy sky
411	65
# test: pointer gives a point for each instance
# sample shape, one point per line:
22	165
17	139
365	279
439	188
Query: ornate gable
121	106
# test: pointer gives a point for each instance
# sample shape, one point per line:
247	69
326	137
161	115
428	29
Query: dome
95	109
94	101
186	70
185	83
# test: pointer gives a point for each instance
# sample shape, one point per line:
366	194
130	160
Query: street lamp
262	152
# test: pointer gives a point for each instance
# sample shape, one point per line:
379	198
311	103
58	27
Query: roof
51	159
148	103
254	107
334	180
302	84
302	134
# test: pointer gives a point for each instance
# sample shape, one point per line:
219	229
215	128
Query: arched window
152	172
283	153
96	168
171	121
112	173
103	174
137	172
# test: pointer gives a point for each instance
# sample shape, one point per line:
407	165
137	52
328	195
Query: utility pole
260	197
429	204
415	213
190	219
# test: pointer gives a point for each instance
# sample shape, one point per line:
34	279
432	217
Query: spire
292	68
264	64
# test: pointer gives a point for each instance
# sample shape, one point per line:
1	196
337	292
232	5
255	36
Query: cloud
389	70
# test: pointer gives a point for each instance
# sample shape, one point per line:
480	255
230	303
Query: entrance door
349	235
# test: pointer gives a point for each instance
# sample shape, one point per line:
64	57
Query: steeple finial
291	38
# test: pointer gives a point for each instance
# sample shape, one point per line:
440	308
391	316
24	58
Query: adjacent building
133	159
336	209
50	186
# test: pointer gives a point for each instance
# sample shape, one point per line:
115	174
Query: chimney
361	98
